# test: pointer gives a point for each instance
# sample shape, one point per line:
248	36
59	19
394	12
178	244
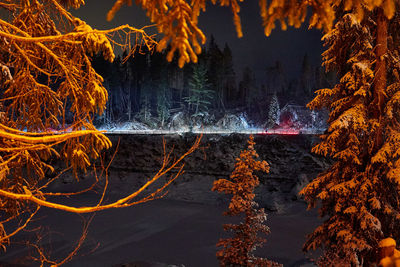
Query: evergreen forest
145	88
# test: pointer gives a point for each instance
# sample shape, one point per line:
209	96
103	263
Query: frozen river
184	227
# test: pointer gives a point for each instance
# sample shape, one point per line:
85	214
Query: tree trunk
221	96
129	100
380	74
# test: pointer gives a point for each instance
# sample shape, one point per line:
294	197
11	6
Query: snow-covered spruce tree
200	96
238	250
273	112
360	192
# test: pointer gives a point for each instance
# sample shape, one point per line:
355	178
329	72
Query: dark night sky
254	49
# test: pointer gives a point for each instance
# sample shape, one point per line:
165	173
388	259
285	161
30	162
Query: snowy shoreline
222	132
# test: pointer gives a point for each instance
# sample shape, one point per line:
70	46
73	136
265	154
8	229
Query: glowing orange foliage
47	82
178	19
359	194
238	251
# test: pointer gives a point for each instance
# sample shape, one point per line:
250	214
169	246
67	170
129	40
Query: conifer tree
158	82
276	79
215	73
250	91
114	88
228	77
200	96
360	192
139	68
273	112
238	250
307	78
163	103
145	112
127	88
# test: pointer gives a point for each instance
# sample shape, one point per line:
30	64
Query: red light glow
282	131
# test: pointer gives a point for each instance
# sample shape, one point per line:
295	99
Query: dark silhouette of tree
276	79
163	103
250	92
145	102
229	78
176	80
140	70
307	79
159	82
102	67
127	87
115	94
215	73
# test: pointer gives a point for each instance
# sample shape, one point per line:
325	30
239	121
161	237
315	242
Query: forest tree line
147	88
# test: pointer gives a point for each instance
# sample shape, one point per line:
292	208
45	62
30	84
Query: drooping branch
123	202
45	139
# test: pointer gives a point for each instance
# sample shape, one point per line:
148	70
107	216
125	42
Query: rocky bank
292	165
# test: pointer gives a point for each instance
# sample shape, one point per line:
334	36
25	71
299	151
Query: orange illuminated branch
20	228
178	19
47	138
71	37
123	202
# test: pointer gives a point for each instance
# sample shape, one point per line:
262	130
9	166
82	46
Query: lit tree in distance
238	250
273	112
200	96
48	82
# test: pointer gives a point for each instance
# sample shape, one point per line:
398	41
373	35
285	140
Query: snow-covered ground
170	132
123	129
230	123
165	231
182	228
160	233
